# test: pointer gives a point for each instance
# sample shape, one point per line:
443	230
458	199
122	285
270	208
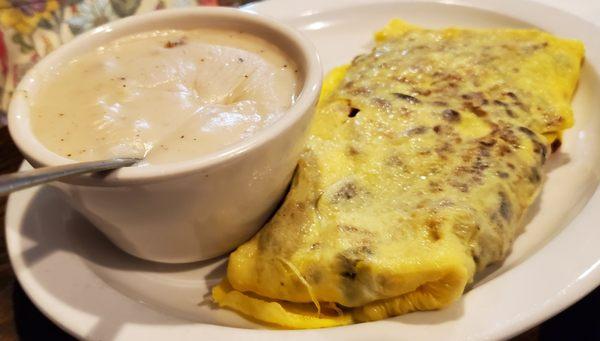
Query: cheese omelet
422	159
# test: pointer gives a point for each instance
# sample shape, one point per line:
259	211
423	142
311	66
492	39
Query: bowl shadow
53	227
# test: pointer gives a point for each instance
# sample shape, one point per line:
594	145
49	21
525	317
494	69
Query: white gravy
167	96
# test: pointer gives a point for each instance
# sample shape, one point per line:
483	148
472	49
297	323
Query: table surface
20	320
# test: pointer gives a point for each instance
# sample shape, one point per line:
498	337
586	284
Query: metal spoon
20	180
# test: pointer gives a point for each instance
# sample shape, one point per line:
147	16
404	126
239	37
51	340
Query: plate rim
577	289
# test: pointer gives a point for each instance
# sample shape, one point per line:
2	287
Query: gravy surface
164	95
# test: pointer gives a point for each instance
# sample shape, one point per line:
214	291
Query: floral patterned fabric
30	29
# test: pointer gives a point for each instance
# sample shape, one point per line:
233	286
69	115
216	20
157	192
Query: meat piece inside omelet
422	159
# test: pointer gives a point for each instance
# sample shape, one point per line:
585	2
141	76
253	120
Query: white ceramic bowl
196	209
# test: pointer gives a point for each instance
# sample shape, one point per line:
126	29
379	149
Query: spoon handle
20	180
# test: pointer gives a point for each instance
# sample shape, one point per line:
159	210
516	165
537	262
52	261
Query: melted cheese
422	159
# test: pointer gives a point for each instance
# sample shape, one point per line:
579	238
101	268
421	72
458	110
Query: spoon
21	180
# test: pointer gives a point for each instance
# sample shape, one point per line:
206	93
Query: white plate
93	290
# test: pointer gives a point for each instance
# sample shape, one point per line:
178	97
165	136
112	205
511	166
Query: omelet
422	159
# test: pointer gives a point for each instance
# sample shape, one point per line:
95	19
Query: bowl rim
38	155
